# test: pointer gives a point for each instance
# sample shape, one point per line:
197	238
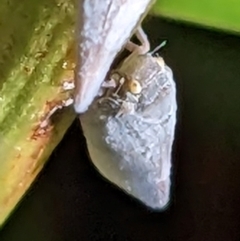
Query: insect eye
135	87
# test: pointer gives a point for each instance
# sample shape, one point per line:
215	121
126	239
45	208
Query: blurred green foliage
219	14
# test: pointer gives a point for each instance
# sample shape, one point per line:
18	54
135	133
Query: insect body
130	129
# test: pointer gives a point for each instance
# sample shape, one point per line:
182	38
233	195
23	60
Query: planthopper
128	114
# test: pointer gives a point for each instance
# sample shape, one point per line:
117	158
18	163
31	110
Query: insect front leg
126	108
139	49
106	86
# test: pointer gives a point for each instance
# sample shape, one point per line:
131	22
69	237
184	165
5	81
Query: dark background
70	201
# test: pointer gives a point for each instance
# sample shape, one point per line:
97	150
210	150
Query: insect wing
133	150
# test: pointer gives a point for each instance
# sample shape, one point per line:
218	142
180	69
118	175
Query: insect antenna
158	47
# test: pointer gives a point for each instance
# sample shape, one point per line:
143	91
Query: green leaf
219	14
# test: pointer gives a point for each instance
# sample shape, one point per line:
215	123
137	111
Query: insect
130	129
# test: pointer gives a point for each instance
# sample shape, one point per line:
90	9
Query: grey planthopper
129	127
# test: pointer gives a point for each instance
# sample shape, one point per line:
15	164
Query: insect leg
139	49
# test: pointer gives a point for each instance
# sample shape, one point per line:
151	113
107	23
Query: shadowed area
70	201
